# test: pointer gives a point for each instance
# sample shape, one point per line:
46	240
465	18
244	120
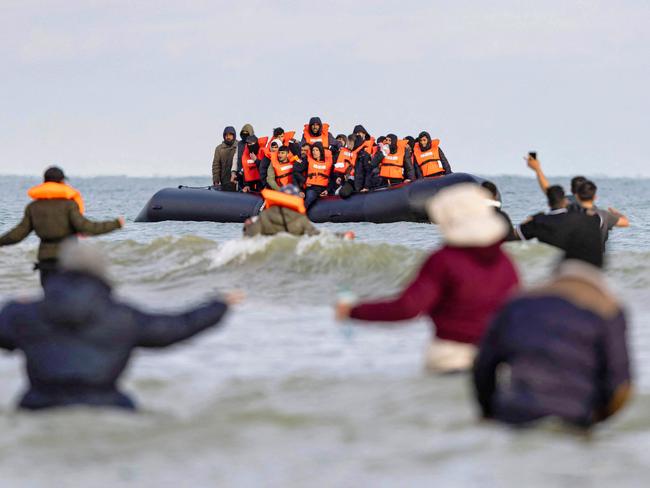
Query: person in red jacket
461	286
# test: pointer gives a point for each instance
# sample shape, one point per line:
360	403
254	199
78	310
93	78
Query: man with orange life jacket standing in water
55	215
428	158
394	163
313	173
252	155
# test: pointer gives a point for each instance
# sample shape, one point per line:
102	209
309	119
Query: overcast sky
145	88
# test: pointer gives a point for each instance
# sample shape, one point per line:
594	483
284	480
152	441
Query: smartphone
533	154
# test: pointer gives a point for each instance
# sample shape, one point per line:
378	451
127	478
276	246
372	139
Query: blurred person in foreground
559	350
78	339
461	286
55	214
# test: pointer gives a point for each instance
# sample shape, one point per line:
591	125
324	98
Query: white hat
464	217
276	141
83	258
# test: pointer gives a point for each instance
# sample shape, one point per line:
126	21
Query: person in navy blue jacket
564	347
77	340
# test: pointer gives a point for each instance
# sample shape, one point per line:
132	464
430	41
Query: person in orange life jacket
394	162
236	176
316	131
55	215
317	167
287	139
251	158
280	163
428	158
352	167
342	140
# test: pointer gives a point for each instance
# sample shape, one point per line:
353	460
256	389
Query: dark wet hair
576	181
54	173
278	131
555	196
492	188
587	191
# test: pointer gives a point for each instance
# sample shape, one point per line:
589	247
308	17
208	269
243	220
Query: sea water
281	394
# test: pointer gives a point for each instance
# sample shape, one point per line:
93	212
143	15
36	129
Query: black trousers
47	268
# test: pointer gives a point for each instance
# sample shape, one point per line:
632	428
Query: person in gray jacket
223	159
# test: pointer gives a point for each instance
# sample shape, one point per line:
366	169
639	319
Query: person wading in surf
55	214
78	339
451	285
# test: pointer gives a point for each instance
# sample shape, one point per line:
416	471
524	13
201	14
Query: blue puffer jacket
77	340
565	351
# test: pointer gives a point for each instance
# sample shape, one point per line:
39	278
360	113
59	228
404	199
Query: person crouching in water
78	339
461	286
284	212
313	173
393	161
563	344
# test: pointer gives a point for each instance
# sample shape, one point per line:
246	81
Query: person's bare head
586	192
283	154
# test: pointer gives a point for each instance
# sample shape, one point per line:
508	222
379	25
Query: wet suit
78	340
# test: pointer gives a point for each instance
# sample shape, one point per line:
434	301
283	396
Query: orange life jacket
346	159
323	138
275	198
283	171
286	138
392	166
250	165
51	190
429	160
318	172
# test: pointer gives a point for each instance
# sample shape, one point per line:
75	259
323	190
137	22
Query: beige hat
464	217
83	258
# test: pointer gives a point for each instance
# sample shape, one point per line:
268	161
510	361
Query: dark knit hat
54	173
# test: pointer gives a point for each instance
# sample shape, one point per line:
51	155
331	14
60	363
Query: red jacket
461	289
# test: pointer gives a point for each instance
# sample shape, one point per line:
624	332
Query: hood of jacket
392	138
322	150
246	128
420	136
361	128
73	300
315	120
229	130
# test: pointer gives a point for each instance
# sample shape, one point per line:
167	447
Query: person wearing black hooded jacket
78	339
222	161
390	147
315	132
424	144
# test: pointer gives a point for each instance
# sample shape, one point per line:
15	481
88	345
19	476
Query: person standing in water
563	345
451	285
55	214
78	339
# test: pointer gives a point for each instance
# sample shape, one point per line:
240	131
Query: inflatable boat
400	203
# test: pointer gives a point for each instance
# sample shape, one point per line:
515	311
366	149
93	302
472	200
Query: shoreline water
280	396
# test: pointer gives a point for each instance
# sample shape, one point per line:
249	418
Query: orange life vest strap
51	190
275	198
